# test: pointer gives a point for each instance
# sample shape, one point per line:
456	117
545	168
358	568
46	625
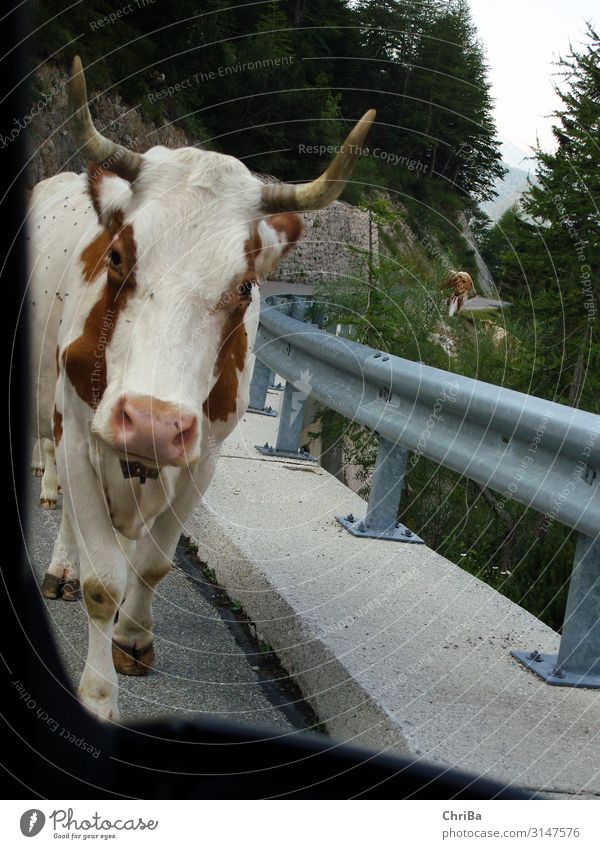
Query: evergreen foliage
419	62
548	263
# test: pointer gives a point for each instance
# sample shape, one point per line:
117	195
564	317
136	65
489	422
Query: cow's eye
115	258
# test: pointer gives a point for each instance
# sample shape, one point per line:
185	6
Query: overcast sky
522	38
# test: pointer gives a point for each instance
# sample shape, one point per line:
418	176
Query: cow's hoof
51	586
133	661
70	589
37	472
48	503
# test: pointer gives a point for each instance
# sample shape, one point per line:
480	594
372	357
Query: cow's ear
107	191
278	235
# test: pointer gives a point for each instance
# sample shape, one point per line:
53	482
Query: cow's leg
62	577
133	648
103	580
49	492
103	574
37	459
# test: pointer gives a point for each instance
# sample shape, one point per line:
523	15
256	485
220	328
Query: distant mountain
521	169
514	155
509	191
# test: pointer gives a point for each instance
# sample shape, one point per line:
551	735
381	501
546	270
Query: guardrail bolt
350	517
535	655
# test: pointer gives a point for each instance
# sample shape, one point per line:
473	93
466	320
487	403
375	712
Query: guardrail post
578	661
291	416
261	377
386	489
291	419
291	423
381	521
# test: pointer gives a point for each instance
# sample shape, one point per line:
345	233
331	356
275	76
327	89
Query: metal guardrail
539	453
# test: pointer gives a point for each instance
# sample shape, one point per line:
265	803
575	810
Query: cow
462	288
144	305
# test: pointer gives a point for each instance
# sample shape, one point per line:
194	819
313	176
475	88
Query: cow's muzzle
154	432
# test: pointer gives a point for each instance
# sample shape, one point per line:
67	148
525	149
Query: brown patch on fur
289	223
85	357
95	173
222	401
460	281
57	426
154	575
252	248
95	255
462	286
100	599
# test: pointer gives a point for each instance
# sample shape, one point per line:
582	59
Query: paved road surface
201	668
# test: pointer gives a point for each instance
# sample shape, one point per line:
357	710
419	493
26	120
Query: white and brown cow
144	301
462	288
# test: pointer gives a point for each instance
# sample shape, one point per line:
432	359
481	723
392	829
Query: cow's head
187	236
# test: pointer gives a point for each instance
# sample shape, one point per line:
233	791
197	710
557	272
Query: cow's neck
133	506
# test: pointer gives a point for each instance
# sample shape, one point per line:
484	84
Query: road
204	665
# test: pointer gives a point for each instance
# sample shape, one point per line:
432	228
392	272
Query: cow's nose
154	430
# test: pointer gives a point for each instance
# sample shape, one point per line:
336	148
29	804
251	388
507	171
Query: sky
522	38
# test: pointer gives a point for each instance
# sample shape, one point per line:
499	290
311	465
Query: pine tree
565	206
454	106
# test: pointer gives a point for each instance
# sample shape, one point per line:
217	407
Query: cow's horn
91	144
286	197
